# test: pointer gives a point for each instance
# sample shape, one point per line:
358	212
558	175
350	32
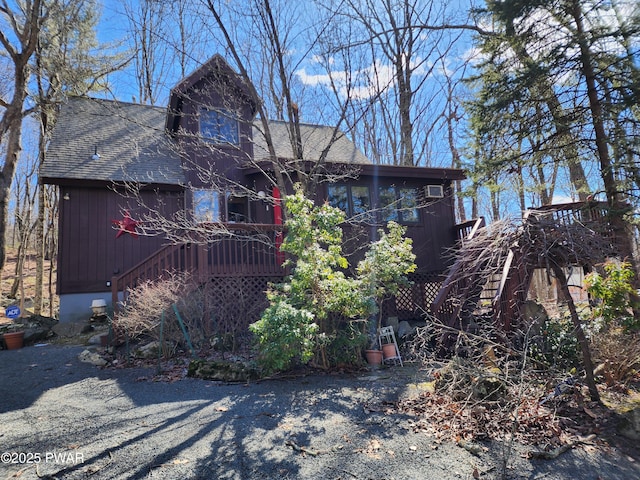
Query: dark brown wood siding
89	253
433	236
201	156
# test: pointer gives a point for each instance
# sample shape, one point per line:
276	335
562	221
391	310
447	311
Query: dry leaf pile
565	420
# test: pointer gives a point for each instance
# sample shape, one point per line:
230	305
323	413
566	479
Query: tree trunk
579	332
617	208
11	122
14	148
39	246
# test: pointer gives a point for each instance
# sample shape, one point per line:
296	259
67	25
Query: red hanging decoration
126	225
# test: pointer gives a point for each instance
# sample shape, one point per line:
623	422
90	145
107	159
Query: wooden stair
500	283
246	250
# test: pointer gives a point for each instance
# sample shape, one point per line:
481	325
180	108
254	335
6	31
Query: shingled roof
133	146
315	139
129	139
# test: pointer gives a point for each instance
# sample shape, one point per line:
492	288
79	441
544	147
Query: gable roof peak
216	63
215	67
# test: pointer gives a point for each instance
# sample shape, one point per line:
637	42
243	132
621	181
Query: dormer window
219	126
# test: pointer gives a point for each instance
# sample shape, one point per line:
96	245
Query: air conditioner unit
433	191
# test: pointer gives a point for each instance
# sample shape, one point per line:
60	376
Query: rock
46	322
392	322
222	371
36	333
37	328
87	329
150	350
96	339
489	387
405	329
535	314
88	356
629	426
68	329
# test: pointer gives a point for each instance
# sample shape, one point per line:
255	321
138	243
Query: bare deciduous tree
65	63
20	28
402	47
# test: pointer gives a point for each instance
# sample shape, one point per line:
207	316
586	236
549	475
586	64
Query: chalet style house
204	158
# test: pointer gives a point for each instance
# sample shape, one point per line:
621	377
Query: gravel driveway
60	418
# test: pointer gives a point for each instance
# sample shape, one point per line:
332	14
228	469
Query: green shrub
284	333
308	313
300	309
613	291
556	345
385	267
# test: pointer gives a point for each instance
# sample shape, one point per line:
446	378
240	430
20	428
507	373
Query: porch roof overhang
368	170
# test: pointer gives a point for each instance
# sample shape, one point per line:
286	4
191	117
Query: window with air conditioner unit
433	191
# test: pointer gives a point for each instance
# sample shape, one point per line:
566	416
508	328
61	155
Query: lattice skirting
413	300
236	302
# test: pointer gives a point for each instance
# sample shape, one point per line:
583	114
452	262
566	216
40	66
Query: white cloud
313	80
373	80
560	199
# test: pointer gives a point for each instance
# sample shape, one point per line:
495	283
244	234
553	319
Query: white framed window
219	126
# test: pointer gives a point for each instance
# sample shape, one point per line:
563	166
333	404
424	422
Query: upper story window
399	204
354	200
219	126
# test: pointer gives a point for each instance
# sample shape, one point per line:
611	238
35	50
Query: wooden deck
244	250
512	269
250	250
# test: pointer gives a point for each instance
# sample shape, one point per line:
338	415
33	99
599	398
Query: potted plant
13	340
382	272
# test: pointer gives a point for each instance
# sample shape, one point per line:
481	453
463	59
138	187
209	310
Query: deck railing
569	213
469	228
464	231
239	250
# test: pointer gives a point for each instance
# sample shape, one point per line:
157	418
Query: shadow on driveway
119	424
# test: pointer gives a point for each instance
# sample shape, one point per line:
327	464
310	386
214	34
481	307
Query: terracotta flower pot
389	350
374	357
13	340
